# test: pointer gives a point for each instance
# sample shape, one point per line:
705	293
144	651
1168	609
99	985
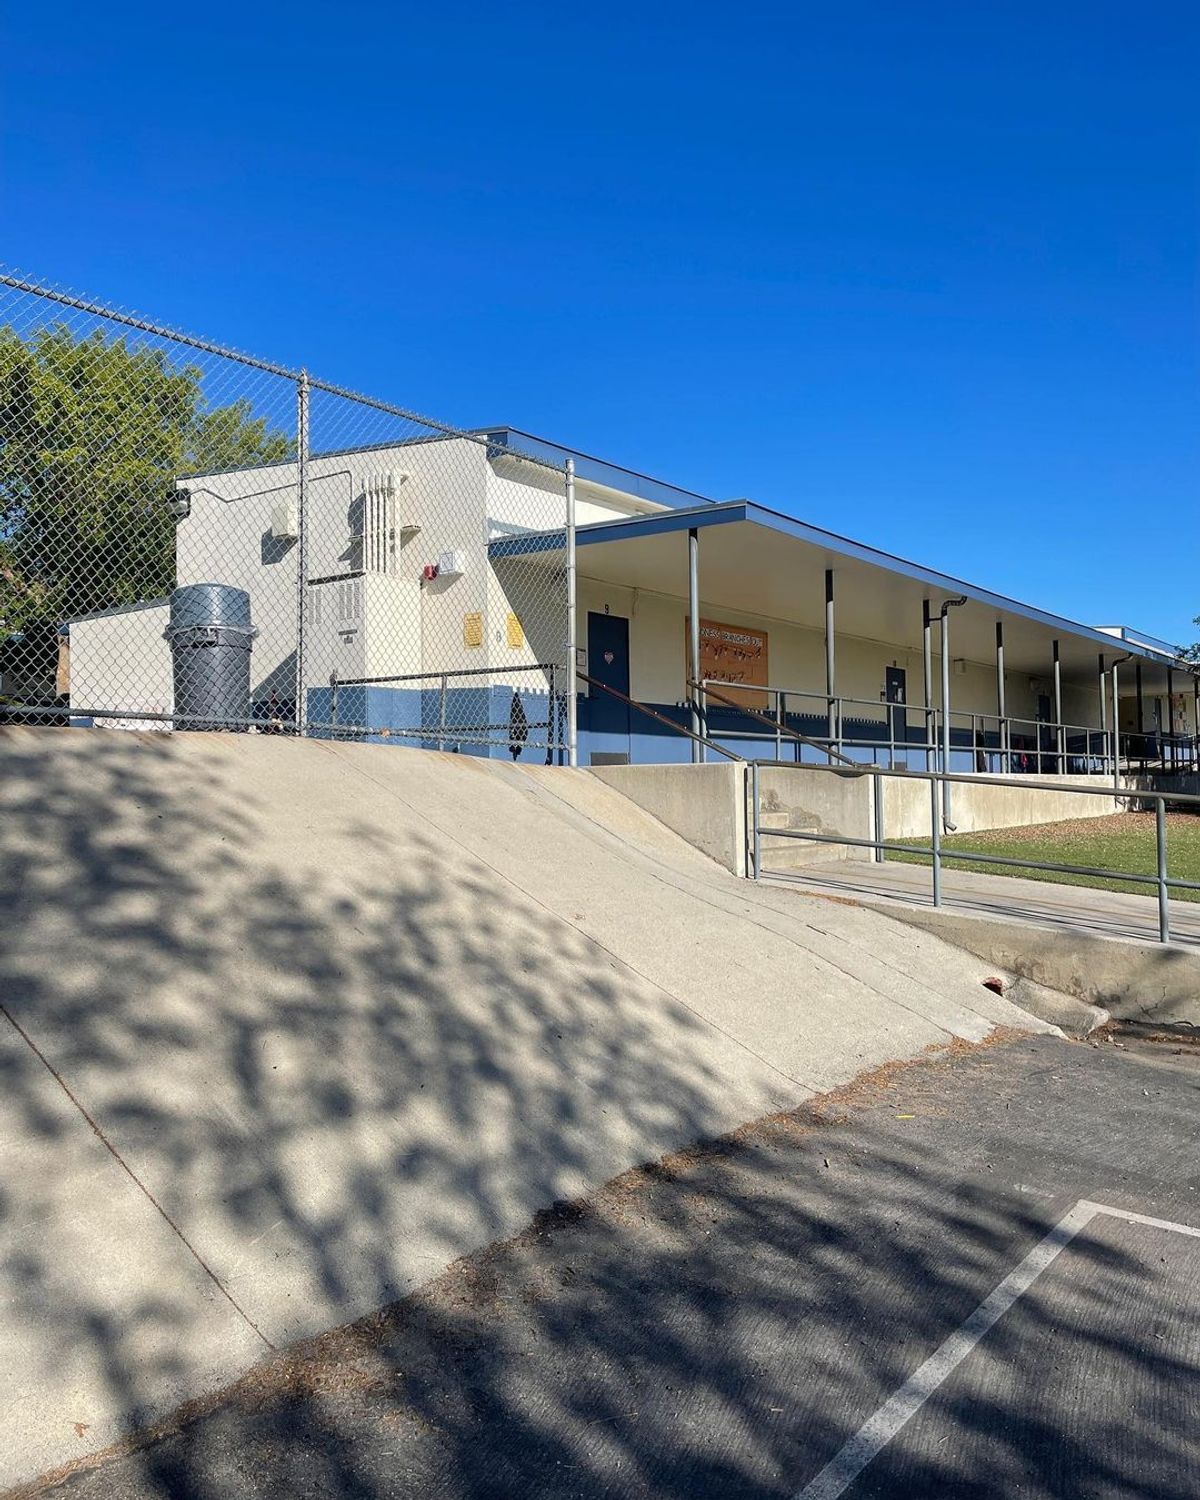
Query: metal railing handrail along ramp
1161	881
1050	741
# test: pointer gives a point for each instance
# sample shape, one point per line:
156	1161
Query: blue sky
924	274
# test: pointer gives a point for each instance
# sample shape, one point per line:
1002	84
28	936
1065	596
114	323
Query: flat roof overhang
757	562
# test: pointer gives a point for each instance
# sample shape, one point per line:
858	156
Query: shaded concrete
717	1326
290	1026
1099	946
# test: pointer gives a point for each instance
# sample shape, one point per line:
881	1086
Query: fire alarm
429	572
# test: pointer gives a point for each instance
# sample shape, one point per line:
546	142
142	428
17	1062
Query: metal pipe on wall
694	639
572	624
1102	678
1059	744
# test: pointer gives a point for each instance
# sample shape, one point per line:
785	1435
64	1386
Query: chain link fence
191	538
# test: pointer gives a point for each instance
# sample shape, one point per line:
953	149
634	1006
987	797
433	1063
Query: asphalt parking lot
895	1294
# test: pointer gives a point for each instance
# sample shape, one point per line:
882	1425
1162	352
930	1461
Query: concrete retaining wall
706	805
906	809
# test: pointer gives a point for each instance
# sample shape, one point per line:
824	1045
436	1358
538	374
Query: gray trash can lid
210	604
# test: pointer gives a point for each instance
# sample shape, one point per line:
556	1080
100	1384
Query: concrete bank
290	1026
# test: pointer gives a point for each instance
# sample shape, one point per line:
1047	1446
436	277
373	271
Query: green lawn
1124	841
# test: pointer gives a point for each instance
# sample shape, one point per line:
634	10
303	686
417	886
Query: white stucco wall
120	661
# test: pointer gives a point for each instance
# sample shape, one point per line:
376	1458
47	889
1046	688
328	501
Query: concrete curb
1154	983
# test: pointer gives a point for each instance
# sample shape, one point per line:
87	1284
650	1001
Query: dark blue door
608	662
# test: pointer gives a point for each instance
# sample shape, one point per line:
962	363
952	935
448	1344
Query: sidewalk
1008	898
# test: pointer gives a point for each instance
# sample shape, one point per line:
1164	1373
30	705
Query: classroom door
895	691
608	663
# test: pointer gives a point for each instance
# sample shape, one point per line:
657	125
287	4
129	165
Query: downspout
944	614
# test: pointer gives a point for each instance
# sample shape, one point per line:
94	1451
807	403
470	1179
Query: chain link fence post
301	547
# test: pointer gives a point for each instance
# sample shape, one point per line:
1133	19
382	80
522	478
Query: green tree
92	432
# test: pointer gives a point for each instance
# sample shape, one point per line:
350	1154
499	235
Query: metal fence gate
190	537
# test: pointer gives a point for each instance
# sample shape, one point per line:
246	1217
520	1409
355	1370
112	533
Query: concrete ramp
289	1026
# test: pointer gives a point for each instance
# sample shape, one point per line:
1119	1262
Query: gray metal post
755	808
830	660
1160	839
927	664
694	638
1102	677
442	715
935	842
877	806
572	626
1001	702
1171	714
1059	739
947	606
1141	702
1116	730
301	709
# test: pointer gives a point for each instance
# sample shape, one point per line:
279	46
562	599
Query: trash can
211	638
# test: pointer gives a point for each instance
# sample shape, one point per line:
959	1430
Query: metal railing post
442	714
302	395
333	703
877	804
755	806
935	841
572	624
1160	840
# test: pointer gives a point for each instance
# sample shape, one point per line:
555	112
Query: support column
1102	680
1059	737
927	663
1195	722
834	718
694	689
1171	716
1116	720
572	624
1141	702
1001	702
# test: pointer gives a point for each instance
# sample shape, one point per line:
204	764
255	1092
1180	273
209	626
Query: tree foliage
92	433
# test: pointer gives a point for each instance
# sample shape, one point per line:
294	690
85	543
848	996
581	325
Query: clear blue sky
921	273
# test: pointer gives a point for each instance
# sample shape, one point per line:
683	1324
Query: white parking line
875	1433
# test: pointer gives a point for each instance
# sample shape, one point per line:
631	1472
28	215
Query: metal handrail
776	725
1162	882
654	714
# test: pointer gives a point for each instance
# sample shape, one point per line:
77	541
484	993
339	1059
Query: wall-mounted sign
473	629
735	654
516	635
